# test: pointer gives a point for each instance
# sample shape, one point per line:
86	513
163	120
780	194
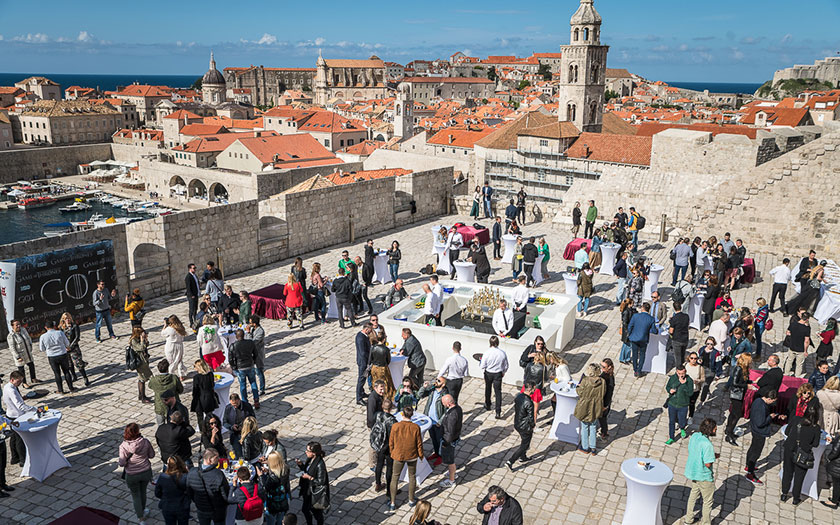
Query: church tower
404	112
213	84
583	68
321	81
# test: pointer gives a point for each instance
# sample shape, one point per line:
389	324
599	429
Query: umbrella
88	516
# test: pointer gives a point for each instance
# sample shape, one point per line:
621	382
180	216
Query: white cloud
1	37
320	41
84	36
32	38
467	52
787	38
267	40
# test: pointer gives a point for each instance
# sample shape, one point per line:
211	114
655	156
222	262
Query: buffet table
608	251
695	310
787	392
465	271
468	233
269	302
443	260
652	282
571	283
656	355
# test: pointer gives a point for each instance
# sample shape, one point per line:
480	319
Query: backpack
379	436
253	507
139	315
640	222
768	324
678	296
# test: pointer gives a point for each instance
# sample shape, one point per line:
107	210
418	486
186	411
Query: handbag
814	283
801	458
132	360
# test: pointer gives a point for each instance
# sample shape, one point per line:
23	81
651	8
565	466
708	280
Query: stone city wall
40	163
159	177
430	190
273	182
132	153
384	159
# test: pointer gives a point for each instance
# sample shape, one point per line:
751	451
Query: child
407	396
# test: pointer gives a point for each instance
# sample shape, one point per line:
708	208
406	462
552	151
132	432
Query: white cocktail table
566	426
222	388
423	467
652	282
644	491
656	355
381	272
465	271
443	260
695	310
571	283
397	368
43	454
608	251
536	272
510	247
809	485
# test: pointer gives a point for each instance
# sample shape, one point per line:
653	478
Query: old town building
69	122
349	79
262	86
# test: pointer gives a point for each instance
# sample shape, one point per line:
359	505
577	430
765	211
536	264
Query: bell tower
404	112
583	69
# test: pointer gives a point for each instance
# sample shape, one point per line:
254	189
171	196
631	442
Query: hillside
790	88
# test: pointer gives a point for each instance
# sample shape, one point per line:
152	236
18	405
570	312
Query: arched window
586	35
594	74
399	110
595	35
571	73
593	112
570	112
577	35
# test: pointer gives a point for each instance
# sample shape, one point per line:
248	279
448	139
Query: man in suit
191	290
416	357
497	239
173	439
362	361
487	193
343	291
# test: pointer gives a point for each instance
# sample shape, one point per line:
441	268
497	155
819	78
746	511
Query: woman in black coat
802	436
314	484
478	256
832	468
211	436
171	490
712	293
204	397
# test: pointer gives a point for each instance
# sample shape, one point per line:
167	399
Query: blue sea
718	87
104	82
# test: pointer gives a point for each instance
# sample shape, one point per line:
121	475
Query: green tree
491	73
523	84
610	94
545	71
197	84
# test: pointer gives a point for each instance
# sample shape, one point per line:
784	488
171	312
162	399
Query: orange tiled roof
604	147
196	130
180	114
345	177
366	147
281	149
216	143
142	90
153	134
458	138
779	116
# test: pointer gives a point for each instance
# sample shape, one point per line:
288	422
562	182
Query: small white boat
68	227
76	206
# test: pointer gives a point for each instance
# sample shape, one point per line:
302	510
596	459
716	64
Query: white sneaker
447	483
146	512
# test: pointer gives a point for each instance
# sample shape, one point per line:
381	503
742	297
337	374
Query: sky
709	41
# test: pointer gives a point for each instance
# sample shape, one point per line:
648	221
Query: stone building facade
213	85
264	85
825	70
68	122
43	88
349	79
426	89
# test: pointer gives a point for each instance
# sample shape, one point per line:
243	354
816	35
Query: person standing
761	417
362	361
832	469
475	210
499	508
430	306
380	432
497	238
576	214
161	383
544	251
740	382
584	288
502	319
659	311
102	308
434	409
134	306
478	256
800	340
454	370
608	376
589	407
494	363
55	344
256	333
520	205
639	331
510	215
67	325
208	489
171	490
416	358
173	333
274	479
678	330
694	369
204	397
591	217
620	271
801	440
394	255
781	277
15	407
680	254
293	292
633	228
452	249
20	344
680	388
523	422
451	424
135	455
406	448
233	418
487	192
173	439
700	472
318	286
529	259
191	290
243	359
342	288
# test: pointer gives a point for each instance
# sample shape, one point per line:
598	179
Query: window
586	35
326	143
349	142
341	143
544	142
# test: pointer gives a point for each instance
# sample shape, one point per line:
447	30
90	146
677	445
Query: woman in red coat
294	300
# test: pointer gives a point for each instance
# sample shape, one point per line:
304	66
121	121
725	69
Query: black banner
49	284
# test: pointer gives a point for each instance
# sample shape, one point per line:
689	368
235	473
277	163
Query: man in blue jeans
682	254
102	306
639	334
487	192
243	358
680	388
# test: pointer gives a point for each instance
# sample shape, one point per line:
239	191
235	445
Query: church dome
404	87
213	76
586	14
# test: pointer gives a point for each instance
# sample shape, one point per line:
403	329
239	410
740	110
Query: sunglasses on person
692	359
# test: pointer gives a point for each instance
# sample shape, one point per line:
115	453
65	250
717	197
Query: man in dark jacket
416	357
374	405
342	288
772	378
620	271
172	405
510	214
478	256
232	419
496	236
379	437
499	507
434	409
173	439
208	488
191	290
228	302
243	359
396	294
362	361
450	424
523	422
760	419
529	257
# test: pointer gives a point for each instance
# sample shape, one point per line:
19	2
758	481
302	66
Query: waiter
15	407
502	319
520	295
454	242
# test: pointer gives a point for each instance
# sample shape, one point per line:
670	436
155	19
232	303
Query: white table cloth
397	368
809	485
571	283
829	305
43	453
381	272
222	388
695	310
656	355
652	282
465	271
608	251
566	426
644	491
332	303
443	260
510	247
536	273
423	467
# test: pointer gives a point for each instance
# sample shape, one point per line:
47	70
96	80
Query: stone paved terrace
310	396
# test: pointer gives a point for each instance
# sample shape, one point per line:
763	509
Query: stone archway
177	186
218	193
197	189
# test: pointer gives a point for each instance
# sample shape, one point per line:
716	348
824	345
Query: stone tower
583	70
213	84
404	112
321	81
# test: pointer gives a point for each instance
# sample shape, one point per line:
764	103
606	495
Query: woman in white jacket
174	332
20	345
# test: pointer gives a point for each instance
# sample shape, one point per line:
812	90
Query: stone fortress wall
825	70
40	163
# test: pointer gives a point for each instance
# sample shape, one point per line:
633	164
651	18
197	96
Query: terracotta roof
314	183
458	138
614	124
555	130
234	122
648	129
180	114
288	149
505	137
202	129
366	147
605	147
447	80
355	63
142	90
618	73
153	134
548	55
780	116
10	90
345	177
215	143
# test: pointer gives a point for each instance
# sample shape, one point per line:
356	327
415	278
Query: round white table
829	305
809	485
608	251
656	355
571	283
423	467
222	388
397	368
652	282
566	426
695	310
43	454
227	335
332	303
465	271
443	260
644	491
536	272
510	247
381	272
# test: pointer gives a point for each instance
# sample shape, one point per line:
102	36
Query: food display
544	301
